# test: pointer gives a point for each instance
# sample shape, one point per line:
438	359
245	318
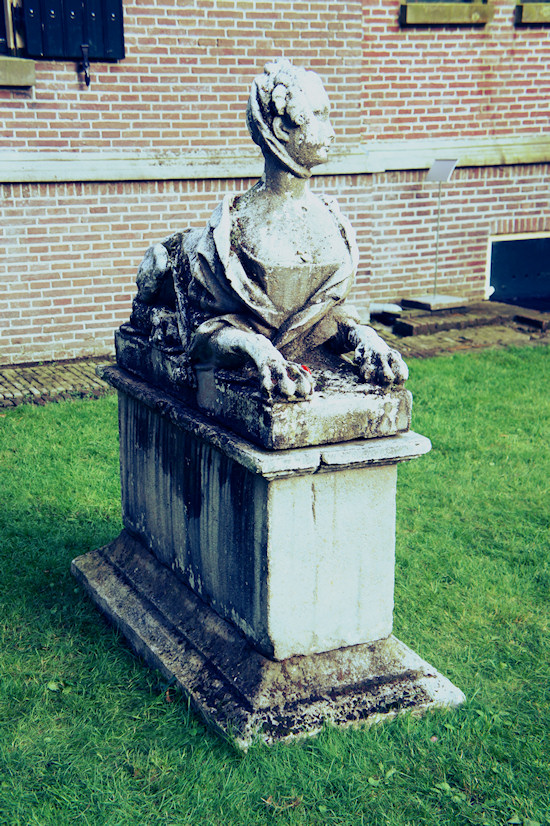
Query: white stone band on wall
375	156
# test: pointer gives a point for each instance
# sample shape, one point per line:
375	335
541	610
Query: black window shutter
57	29
73	24
3	38
95	25
114	34
32	15
52	28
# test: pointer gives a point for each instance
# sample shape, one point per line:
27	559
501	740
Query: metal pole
437	237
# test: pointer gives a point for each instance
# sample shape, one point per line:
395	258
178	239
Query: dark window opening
520	272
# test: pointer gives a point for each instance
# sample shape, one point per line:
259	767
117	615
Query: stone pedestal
274	569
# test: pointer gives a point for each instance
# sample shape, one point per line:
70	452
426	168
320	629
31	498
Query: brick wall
67	279
425	81
476	205
185	80
71	249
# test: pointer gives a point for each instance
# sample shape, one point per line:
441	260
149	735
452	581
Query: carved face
309	142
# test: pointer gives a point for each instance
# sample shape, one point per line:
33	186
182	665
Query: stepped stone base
244	695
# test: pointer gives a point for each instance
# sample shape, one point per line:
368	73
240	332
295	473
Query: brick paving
39	383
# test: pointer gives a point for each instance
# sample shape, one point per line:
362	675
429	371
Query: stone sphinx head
288	117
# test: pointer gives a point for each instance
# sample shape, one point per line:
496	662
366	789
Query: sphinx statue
264	285
261	426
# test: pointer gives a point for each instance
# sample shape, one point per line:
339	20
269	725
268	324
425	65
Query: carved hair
278	92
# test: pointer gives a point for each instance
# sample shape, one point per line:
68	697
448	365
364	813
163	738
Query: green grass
89	735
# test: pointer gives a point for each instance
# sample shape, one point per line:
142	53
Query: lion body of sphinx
195	282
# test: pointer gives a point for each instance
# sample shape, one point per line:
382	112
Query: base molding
244	695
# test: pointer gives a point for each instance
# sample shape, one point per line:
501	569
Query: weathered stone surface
532	13
244	695
342	407
264	284
341	411
17	72
296	547
400	447
454	14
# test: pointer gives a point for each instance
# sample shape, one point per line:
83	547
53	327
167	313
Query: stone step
541	321
477	315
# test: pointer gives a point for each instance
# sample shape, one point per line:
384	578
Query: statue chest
291	259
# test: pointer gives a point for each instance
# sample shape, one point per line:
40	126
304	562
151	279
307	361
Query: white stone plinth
296	547
330	556
244	695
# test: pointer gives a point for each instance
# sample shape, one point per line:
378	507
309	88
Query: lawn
89	735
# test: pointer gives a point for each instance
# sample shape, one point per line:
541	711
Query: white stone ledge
508	150
368	158
58	167
17	72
